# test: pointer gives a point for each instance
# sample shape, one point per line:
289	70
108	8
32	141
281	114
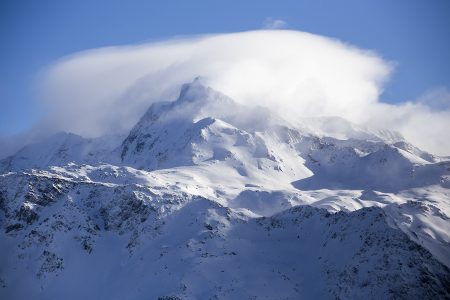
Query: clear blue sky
414	33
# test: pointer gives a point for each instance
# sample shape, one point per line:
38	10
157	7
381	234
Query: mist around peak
294	74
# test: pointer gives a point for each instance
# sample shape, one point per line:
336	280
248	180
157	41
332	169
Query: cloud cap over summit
294	73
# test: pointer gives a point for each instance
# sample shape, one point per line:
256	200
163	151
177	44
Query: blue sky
415	34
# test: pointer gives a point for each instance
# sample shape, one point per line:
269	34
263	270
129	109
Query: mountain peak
202	95
194	90
221	186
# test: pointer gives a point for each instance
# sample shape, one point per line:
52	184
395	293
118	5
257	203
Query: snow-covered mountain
206	198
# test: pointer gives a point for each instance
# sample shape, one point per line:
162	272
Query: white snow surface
208	199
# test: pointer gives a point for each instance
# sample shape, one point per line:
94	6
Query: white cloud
271	23
437	99
294	73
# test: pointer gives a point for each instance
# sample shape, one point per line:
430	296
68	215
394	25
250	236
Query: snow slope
206	198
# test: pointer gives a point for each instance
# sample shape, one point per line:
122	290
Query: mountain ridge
206	197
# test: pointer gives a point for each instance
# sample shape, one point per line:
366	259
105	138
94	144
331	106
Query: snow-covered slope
60	149
202	125
206	198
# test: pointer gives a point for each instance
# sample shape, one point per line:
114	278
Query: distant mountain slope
60	149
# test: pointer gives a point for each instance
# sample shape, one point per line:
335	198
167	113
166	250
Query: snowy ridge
206	198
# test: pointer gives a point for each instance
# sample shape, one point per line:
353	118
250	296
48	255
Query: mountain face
206	198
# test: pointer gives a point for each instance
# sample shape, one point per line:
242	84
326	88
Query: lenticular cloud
294	73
